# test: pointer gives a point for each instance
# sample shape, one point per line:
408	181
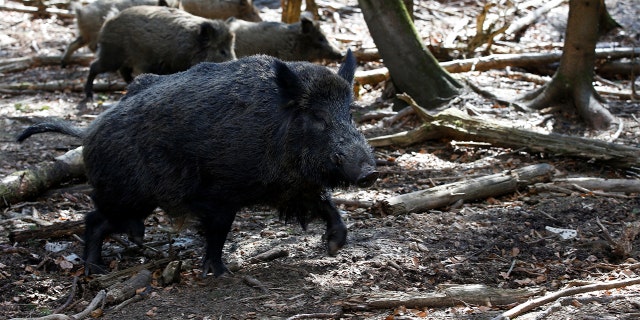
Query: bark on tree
414	70
290	10
571	86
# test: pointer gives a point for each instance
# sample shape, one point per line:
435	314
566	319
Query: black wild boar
293	42
160	40
222	9
219	137
91	17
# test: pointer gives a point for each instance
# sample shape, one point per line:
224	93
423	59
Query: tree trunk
572	83
290	10
414	70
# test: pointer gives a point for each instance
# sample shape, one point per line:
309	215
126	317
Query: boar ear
288	82
207	32
348	67
306	24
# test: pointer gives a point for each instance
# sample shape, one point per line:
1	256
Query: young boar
160	40
218	137
91	17
222	9
293	42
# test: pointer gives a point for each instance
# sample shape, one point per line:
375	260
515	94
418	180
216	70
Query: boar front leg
336	234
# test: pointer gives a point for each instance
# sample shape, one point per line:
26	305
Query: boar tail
51	126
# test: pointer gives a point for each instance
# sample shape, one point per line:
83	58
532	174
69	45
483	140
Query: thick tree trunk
571	85
414	70
290	10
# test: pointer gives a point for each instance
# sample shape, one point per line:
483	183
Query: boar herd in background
153	36
202	133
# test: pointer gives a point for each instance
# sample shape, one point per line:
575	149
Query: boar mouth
367	179
362	174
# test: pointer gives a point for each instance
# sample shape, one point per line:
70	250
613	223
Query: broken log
532	304
372	77
499	61
465	190
26	184
110	279
54	231
449	296
60	85
455	125
608	185
124	290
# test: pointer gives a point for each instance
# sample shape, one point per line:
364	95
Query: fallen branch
26	184
97	300
517	26
456	125
114	277
23	63
255	283
269	255
532	304
36	10
470	189
122	291
608	185
54	231
60	85
499	61
334	315
476	294
371	77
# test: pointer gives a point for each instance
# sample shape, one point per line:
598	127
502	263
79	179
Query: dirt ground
501	242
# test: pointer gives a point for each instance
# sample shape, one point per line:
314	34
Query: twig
125	303
98	299
74	285
606	234
315	316
566	301
532	304
513	264
255	283
387	122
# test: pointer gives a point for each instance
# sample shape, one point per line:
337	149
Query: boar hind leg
336	234
126	73
100	224
96	229
95	69
73	46
216	223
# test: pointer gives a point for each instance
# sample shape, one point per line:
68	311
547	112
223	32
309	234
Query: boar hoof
336	238
94	268
217	268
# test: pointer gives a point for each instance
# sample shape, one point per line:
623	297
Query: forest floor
501	242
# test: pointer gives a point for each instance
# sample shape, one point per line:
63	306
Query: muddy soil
502	242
